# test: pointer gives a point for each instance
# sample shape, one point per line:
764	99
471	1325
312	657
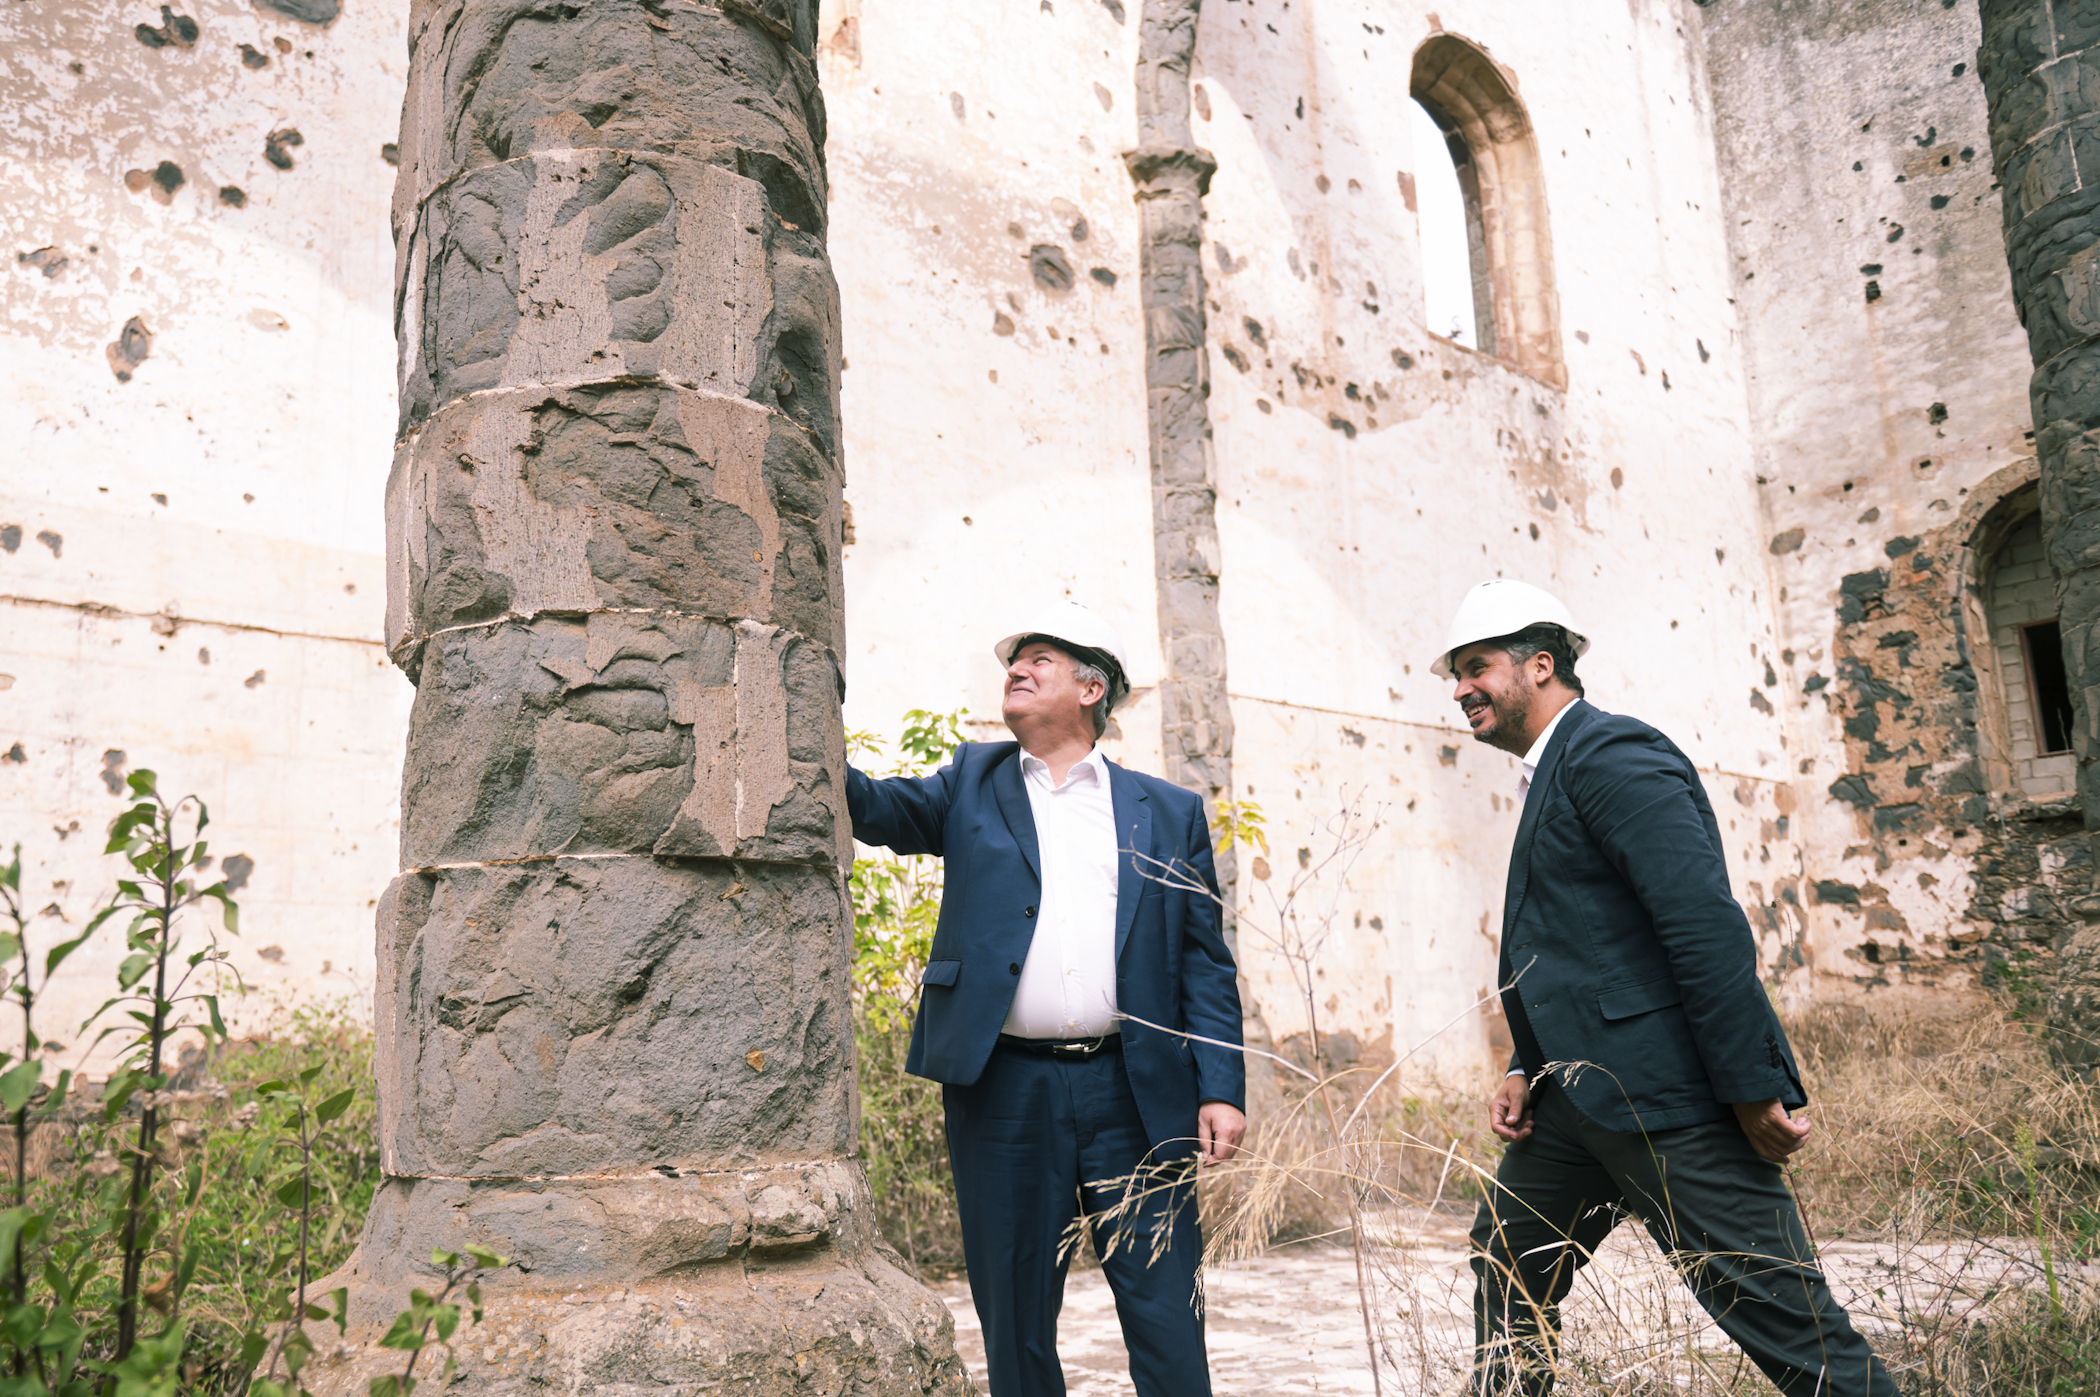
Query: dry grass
1952	1184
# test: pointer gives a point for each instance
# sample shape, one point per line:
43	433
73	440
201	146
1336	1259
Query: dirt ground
1288	1323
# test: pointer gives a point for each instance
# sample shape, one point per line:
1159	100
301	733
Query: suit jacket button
1013	967
1028	911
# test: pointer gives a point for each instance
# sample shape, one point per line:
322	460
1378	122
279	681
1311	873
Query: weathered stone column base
813	1324
761	1281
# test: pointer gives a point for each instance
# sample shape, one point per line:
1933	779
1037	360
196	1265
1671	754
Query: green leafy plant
896	907
427	1314
166	882
43	1339
305	1117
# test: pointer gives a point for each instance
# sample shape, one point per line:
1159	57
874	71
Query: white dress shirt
1538	754
1068	982
1532	759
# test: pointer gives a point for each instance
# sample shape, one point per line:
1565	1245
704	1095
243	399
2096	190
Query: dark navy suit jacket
1172	965
1627	948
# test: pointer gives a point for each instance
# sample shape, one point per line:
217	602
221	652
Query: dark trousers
1031	1142
1723	1216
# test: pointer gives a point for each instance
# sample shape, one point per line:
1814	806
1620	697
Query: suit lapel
1013	805
1133	814
1534	800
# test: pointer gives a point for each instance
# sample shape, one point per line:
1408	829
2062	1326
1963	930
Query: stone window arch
1499	172
2009	612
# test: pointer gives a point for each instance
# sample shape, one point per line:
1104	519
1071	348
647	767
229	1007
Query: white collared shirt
1068	982
1532	759
1537	754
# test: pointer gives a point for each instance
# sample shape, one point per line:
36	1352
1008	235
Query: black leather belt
1063	1049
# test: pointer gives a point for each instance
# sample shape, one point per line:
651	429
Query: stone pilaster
1172	176
615	1041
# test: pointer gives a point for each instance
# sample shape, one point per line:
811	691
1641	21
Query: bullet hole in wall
305	11
253	57
277	147
391	153
179	31
129	350
233	196
1050	267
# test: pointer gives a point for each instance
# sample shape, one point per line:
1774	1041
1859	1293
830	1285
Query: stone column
2040	65
615	1042
1172	176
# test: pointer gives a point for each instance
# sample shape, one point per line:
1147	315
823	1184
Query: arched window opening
1453	254
1494	155
2021	600
2009	614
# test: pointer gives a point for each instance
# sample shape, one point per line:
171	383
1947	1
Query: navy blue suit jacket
1172	965
1632	953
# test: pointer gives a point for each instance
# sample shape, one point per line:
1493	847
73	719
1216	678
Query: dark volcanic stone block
590	1016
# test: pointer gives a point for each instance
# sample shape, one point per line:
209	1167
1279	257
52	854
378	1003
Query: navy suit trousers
1032	1141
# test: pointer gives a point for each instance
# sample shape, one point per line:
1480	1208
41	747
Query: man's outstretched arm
906	813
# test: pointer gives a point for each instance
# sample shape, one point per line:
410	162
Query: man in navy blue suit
1651	1075
1080	1007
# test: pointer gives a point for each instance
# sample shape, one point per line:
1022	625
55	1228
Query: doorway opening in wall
2049	685
1447	220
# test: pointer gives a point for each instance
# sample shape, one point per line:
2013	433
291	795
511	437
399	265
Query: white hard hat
1503	607
1075	625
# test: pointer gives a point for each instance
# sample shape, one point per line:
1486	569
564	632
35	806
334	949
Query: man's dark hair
1547	637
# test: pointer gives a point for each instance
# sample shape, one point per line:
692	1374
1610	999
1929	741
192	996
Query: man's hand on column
1509	1114
1218	1130
1773	1134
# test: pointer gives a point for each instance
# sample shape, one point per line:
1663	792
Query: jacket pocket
1628	1000
941	972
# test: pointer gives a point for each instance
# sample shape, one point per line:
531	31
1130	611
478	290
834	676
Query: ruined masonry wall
1763	469
1887	380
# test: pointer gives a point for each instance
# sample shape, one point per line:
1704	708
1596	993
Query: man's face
1040	686
1495	692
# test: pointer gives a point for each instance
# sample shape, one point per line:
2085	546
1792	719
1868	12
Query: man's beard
1512	712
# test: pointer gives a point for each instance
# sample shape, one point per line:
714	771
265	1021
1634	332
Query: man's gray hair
1087	672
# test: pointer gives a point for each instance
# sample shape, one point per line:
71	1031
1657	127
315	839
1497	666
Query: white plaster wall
1345	554
988	473
1855	139
212	608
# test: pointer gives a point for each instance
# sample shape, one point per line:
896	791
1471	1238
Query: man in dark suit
1651	1075
1080	1007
